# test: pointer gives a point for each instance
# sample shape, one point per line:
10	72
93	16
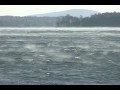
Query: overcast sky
23	10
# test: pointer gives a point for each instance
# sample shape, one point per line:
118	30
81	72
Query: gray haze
24	10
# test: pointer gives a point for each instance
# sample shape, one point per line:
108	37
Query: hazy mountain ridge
72	12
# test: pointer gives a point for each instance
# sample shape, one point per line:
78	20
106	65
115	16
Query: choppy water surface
67	56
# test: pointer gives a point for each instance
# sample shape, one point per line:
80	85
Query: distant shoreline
62	28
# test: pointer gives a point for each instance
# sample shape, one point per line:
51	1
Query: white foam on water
66	49
77	57
9	59
115	63
41	55
31	47
84	46
88	62
27	59
111	34
90	53
58	56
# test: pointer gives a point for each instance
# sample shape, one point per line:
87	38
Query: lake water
60	56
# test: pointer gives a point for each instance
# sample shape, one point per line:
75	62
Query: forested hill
96	20
105	19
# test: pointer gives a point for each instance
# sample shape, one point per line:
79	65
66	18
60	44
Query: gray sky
23	10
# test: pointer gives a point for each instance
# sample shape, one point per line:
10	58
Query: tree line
16	21
96	20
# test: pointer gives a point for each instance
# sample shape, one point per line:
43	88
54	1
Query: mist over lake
55	56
